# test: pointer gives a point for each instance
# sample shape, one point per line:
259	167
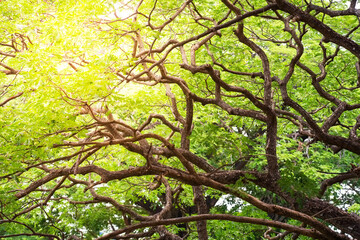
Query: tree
180	119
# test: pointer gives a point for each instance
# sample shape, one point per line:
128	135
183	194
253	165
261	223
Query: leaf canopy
179	119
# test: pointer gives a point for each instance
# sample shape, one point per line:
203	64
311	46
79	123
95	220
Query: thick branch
329	34
303	231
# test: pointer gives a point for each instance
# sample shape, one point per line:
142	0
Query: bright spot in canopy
120	11
123	10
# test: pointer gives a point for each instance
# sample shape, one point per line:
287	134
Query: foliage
179	119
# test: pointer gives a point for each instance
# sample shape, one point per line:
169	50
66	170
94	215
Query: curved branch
352	174
303	231
11	98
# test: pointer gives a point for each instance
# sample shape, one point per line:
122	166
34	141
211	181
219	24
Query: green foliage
76	55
